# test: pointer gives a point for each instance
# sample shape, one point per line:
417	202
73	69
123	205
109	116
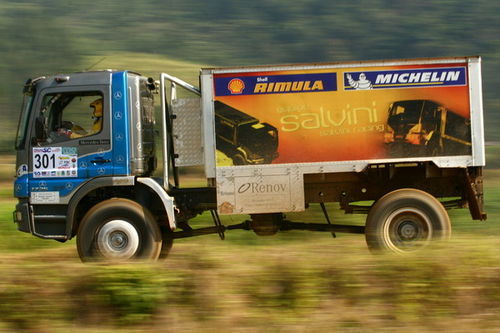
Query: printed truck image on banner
342	114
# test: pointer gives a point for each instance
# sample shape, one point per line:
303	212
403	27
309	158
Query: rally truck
102	155
243	138
426	126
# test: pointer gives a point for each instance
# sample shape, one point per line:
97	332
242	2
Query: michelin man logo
361	84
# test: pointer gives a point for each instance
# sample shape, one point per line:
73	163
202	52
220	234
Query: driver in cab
74	131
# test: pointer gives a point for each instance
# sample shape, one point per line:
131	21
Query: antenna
95	64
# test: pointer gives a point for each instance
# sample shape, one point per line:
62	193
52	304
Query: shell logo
236	86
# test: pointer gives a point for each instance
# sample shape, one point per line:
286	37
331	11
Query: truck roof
342	64
233	115
77	78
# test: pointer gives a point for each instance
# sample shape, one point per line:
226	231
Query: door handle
100	161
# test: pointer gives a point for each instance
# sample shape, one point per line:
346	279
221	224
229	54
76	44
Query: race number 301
44	161
55	162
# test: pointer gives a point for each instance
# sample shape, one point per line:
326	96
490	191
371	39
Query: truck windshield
408	111
23	121
259	136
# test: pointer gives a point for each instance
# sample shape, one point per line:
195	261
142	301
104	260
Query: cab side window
430	118
72	115
224	129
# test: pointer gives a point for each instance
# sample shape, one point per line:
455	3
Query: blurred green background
295	281
53	36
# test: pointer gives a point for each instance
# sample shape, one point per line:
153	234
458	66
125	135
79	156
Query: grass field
296	281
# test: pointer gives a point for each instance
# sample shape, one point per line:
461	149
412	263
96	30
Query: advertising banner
342	114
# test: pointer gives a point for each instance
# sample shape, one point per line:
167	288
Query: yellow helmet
97	105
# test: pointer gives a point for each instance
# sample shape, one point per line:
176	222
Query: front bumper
262	158
402	148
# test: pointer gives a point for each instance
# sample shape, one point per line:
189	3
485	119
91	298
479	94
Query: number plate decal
44	197
53	162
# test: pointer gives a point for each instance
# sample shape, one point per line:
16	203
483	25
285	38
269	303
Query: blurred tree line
47	36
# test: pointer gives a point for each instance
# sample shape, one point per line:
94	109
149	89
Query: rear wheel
406	220
118	230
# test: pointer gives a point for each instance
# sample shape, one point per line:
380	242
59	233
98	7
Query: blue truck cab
83	139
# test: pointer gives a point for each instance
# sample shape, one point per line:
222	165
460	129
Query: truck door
72	142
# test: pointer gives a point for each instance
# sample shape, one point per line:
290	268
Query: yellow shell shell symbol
236	86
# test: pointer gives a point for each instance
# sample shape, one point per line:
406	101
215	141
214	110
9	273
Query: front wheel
238	159
406	220
118	230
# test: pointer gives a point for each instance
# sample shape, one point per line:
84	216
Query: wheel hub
407	229
118	239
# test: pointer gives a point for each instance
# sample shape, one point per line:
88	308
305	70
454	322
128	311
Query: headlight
388	134
415	135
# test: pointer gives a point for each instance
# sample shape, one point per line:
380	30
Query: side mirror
40	130
151	84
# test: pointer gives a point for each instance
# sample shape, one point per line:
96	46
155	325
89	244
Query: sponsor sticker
275	84
253	190
263	193
53	162
405	78
22	170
